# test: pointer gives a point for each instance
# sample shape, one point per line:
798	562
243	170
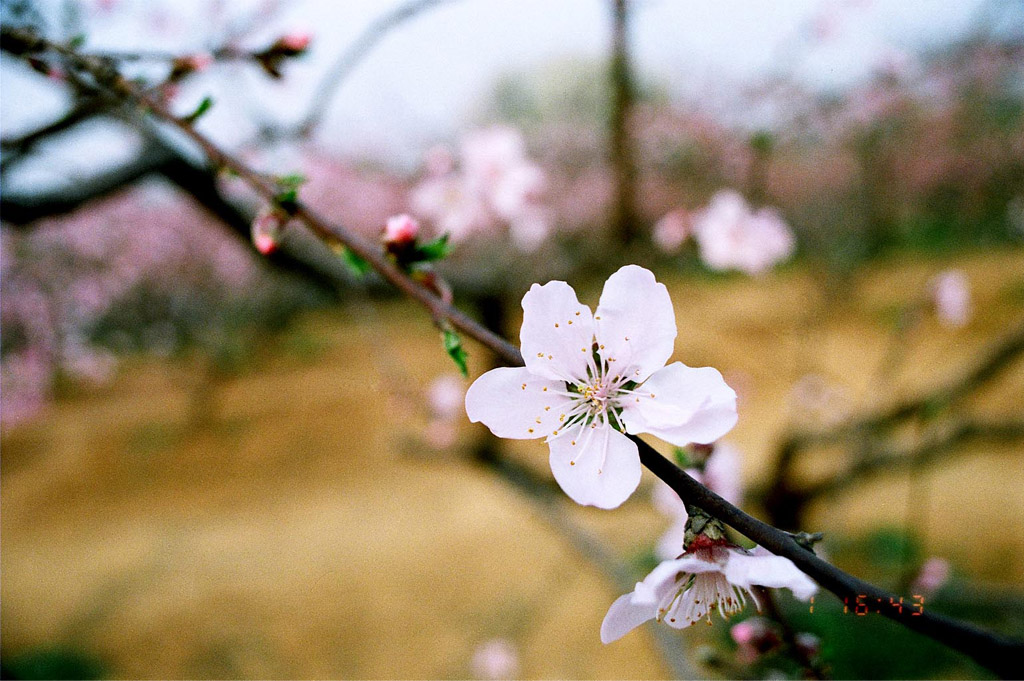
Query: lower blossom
706	578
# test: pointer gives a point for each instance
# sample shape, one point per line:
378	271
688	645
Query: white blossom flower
951	294
686	590
732	237
591	378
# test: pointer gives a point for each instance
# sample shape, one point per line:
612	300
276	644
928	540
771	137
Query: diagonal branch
1003	655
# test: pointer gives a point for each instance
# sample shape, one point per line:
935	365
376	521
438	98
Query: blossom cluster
495	185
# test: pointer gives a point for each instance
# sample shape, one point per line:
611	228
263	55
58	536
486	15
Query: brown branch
1003	655
784	503
889	460
16	148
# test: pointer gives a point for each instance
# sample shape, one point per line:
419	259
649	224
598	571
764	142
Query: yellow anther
544	389
577	313
547	408
540	354
529	430
570	321
556	325
524	386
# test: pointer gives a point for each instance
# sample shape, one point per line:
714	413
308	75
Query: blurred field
300	532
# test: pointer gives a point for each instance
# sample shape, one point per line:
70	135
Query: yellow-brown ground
303	532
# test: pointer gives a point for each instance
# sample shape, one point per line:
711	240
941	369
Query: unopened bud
266	231
401	229
294	43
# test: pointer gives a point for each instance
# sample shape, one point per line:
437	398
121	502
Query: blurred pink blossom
494	660
496	185
672	230
446	396
934	573
754	637
951	295
732	237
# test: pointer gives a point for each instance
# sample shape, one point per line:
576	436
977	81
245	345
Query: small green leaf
682	457
288	190
437	249
356	263
453	346
203	107
77	41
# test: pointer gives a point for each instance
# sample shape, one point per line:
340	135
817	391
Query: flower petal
515	403
681	404
624	616
557	333
635	323
597	467
760	566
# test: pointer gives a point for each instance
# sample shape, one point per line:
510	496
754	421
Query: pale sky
425	79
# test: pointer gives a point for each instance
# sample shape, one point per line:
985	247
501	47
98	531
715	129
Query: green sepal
437	249
288	191
682	458
453	346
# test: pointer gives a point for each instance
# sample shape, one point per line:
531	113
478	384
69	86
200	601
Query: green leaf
453	346
355	262
77	42
437	249
288	190
203	107
682	457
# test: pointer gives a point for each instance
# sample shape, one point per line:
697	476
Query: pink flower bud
297	41
401	229
198	62
266	231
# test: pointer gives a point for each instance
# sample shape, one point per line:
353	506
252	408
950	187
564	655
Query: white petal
689	405
760	566
722	472
635	322
671	543
557	333
516	404
624	616
601	469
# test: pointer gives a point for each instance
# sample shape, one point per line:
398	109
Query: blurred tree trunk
624	221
